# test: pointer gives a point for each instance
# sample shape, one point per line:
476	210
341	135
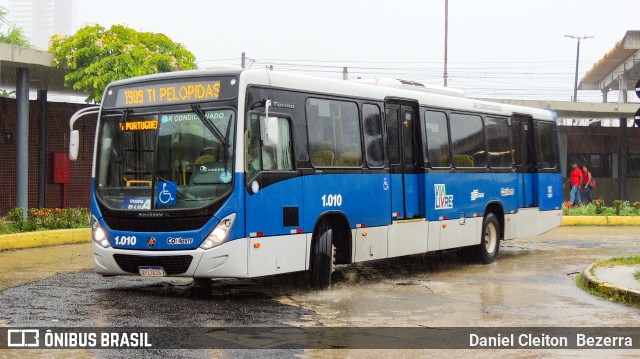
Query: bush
599	208
45	218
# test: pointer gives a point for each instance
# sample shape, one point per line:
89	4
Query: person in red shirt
576	180
586	183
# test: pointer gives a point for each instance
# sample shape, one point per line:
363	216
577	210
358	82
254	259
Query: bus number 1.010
126	240
332	200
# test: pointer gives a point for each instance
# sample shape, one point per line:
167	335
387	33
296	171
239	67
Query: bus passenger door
401	123
523	143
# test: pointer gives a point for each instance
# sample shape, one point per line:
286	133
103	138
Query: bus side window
334	133
276	156
373	135
467	141
498	145
547	157
437	138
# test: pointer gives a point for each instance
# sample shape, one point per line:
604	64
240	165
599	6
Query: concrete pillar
605	92
22	139
42	147
622	160
622	89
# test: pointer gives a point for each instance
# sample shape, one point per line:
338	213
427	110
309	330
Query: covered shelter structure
619	69
27	70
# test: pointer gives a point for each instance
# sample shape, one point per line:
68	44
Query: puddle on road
532	283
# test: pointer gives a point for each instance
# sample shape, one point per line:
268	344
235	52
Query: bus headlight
98	233
220	233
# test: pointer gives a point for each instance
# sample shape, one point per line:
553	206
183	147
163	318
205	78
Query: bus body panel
527	183
362	198
456	195
277	254
267	208
397	196
460	232
549	191
370	243
409	237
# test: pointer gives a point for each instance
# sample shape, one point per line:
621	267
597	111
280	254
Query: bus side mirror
74	143
270	131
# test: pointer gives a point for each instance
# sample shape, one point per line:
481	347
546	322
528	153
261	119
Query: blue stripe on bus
364	199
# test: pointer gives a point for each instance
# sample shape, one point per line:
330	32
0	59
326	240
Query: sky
496	48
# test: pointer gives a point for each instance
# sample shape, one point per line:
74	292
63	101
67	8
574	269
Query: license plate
151	271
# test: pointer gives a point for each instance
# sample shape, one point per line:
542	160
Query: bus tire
322	255
487	250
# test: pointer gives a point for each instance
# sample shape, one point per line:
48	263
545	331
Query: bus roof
378	89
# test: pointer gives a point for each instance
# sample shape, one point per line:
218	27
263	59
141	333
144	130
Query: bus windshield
163	161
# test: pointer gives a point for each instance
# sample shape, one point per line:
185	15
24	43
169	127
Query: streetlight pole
446	38
575	83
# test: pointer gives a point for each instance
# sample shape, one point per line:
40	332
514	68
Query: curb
601	220
588	280
44	238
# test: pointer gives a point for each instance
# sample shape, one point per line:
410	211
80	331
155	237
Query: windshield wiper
216	132
210	125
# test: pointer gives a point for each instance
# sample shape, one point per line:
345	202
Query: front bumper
228	260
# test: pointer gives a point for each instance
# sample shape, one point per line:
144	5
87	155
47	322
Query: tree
98	56
13	34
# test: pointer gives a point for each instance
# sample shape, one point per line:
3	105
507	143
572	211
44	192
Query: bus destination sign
167	94
139	125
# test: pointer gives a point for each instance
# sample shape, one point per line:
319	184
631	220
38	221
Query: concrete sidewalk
616	280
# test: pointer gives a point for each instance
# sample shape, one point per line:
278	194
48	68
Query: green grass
618	261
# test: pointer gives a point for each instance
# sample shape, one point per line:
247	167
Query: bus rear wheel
487	250
322	258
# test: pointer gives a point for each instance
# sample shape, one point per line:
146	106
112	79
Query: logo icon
23	338
549	192
151	241
475	195
443	200
166	193
507	191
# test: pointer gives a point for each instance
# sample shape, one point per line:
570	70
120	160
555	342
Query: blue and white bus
233	173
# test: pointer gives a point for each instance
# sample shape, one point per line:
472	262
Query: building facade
39	19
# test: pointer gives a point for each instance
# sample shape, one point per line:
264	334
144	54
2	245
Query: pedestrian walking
575	178
588	183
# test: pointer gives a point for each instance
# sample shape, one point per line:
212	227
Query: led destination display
165	94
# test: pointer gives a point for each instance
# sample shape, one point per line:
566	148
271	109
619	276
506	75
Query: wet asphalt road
532	284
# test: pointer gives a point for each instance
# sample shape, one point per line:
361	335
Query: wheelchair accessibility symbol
166	193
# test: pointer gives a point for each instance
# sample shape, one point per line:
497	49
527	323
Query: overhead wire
529	79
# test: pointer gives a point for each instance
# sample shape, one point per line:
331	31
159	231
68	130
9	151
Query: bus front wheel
487	250
322	255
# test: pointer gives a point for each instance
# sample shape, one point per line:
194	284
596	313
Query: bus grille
172	264
156	224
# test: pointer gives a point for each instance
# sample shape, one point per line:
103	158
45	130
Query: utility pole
575	84
243	60
446	39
